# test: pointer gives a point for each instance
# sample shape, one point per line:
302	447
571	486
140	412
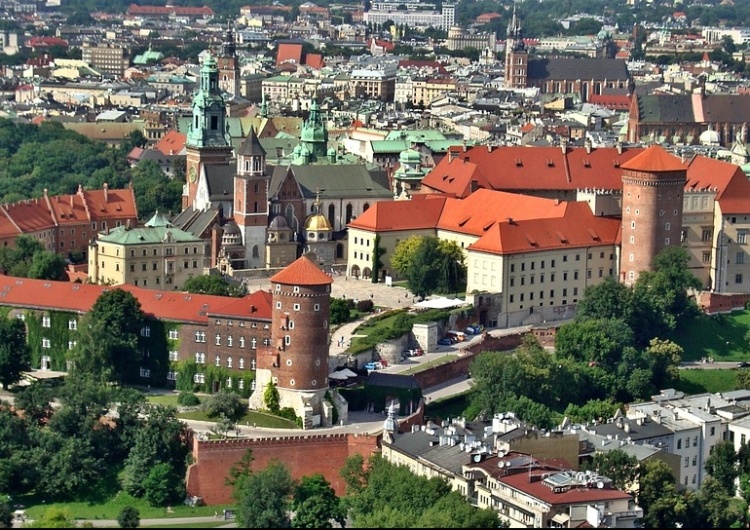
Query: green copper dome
410	156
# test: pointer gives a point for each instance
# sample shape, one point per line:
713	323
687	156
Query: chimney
46	193
129	224
626	427
452	155
619	147
564	145
71	201
587	146
489	148
105	187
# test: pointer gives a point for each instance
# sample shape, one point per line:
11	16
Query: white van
460	336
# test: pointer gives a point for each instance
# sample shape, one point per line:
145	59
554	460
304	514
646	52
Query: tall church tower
314	134
297	360
653	185
207	142
229	65
516	56
251	199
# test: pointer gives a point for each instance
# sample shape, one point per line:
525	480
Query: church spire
208	127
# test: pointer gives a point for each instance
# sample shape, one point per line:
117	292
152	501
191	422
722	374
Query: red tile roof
135	9
539	490
422	212
730	182
163	305
515	168
611	101
654	160
302	272
289	52
577	228
37	42
483	209
314	60
171	143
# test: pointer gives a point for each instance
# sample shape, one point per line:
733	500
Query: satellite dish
600	485
477	458
500	454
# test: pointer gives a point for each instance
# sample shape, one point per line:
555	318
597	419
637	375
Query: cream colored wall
361	244
113	264
698	215
732	253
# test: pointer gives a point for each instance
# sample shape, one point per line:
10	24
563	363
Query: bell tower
251	199
314	134
229	64
207	142
516	56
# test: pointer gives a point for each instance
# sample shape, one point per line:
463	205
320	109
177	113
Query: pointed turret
251	145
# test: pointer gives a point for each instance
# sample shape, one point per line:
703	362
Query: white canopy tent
440	303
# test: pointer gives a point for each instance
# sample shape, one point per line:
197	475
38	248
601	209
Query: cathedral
253	215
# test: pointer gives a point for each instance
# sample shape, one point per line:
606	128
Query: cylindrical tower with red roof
653	185
296	362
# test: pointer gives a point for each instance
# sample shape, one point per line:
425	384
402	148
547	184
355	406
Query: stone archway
366	273
354	271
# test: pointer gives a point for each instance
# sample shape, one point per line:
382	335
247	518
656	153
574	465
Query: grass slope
700	381
719	336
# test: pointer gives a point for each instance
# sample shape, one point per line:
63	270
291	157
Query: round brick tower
653	184
297	359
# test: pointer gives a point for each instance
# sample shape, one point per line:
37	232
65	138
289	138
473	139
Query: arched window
289	214
348	213
365	207
255	251
331	214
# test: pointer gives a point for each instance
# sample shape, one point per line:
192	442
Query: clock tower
207	142
251	199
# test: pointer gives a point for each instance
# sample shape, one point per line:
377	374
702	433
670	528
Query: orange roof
171	143
30	216
576	228
8	229
654	160
483	209
728	180
314	60
528	127
302	272
163	305
118	204
422	212
516	168
289	52
579	496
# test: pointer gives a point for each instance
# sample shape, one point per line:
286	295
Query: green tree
606	300
163	486
658	496
129	517
600	341
271	397
665	357
622	468
46	266
34	400
6	514
154	190
354	474
340	311
743	378
108	337
263	498
715	503
315	504
403	254
424	272
222	426
15	356
728	45
594	410
452	267
208	284
225	403
377	261
720	464
161	438
452	511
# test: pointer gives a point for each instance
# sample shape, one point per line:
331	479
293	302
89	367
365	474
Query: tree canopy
15	355
213	284
430	265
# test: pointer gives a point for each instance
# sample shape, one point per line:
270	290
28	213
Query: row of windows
687	442
241	324
553	263
200	336
200	378
361	255
541	295
297	307
47	322
200	358
363	241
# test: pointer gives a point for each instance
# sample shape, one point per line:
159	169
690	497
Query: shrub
365	306
188	399
287	413
129	517
227	403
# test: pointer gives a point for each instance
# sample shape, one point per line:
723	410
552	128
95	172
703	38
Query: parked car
373	366
445	341
474	329
743	364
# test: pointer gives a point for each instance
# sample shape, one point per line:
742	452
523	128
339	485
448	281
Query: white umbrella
338	376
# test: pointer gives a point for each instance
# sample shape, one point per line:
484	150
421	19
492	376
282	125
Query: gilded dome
317	223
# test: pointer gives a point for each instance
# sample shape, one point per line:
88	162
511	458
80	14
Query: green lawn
719	336
110	508
421	367
251	417
169	400
698	381
451	407
369	326
222	522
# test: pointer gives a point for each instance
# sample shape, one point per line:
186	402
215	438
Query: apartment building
105	57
